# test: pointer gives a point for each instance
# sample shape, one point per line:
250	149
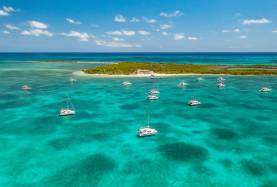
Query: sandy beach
81	73
157	75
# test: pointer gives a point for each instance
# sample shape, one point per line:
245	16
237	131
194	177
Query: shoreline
156	75
143	69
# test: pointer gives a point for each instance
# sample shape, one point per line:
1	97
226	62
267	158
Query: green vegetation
128	68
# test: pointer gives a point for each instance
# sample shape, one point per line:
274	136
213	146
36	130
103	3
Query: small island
140	69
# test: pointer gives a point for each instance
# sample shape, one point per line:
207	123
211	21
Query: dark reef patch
226	163
209	106
66	142
204	170
269	183
270	140
129	106
7	96
83	115
38	125
252	167
223	134
88	172
263	118
100	136
184	152
14	104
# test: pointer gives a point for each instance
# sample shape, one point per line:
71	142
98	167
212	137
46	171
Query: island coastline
152	70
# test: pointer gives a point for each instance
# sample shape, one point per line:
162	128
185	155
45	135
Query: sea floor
230	140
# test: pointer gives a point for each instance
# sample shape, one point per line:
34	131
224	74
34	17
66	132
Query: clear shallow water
230	140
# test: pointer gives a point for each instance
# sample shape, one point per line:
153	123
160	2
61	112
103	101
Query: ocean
230	140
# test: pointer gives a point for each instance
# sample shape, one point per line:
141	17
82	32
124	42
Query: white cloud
37	29
243	37
144	33
192	38
122	33
5	32
234	30
114	44
256	21
157	30
134	19
179	36
38	25
149	20
128	33
118	39
6	10
11	27
82	36
274	31
165	33
114	33
176	13
165	26
37	32
72	21
120	18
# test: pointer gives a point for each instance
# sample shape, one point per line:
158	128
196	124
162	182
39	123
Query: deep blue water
202	58
230	140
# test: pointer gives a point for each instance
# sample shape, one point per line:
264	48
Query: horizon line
104	52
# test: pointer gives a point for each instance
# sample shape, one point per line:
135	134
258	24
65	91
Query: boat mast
148	116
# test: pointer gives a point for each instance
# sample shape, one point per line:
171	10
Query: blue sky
138	25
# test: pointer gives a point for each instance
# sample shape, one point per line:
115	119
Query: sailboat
72	80
200	78
220	79
152	97
69	110
26	87
194	102
147	131
126	83
182	84
220	85
154	91
265	89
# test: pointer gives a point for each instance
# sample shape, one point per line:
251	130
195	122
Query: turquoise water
230	140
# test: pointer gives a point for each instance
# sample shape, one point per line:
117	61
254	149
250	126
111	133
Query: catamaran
154	92
26	87
220	85
194	102
152	76
126	83
220	79
182	84
146	131
152	97
265	89
72	80
69	110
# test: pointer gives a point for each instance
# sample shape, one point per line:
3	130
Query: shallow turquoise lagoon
230	140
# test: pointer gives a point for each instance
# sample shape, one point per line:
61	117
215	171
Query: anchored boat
69	110
194	102
126	83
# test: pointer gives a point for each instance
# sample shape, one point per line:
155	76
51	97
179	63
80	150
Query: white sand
81	73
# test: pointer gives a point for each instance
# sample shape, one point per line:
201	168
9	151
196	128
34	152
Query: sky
138	26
